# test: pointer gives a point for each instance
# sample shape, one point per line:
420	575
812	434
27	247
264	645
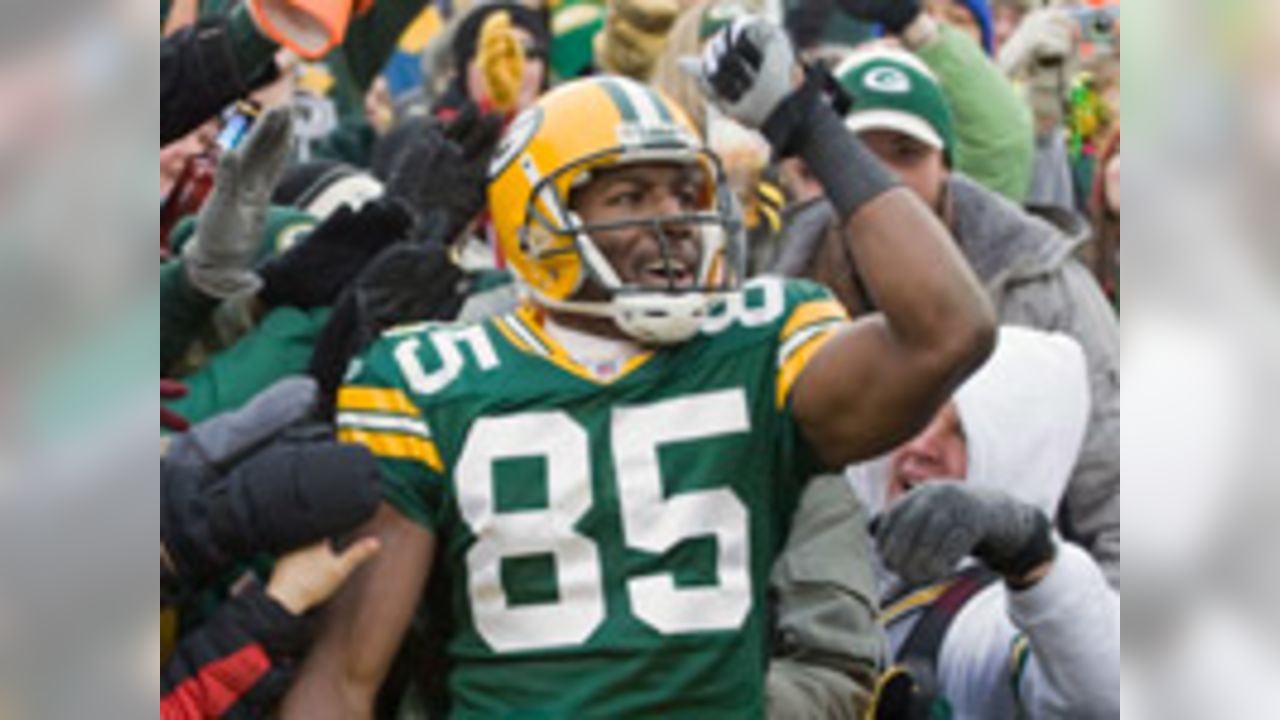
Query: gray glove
222	440
922	536
219	259
1045	36
1043	52
748	69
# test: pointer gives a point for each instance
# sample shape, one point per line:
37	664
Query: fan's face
939	452
649	191
919	165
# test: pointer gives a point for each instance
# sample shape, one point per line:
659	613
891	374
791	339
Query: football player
605	474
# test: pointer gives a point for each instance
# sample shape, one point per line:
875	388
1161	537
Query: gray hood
1002	242
1005	243
1024	416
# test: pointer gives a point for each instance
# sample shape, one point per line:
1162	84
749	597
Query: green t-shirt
607	543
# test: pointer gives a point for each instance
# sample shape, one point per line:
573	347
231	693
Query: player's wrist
788	123
850	174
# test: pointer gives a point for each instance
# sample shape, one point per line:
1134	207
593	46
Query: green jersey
607	542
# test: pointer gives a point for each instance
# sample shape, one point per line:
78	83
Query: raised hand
218	261
442	176
748	69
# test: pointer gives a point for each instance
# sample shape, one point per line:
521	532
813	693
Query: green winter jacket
993	126
280	345
247	354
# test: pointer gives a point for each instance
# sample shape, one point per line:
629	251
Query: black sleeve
236	665
200	74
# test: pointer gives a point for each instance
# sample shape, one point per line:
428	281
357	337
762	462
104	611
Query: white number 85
650	522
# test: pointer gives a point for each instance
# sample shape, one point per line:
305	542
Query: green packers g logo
887	80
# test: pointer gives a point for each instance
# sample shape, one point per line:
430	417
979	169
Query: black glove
408	282
786	126
313	272
299	489
443	175
894	15
923	535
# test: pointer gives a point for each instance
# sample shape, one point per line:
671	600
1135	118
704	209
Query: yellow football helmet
554	146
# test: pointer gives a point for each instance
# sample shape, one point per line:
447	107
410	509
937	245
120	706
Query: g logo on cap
887	79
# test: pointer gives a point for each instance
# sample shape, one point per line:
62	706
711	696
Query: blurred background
1201	349
79	85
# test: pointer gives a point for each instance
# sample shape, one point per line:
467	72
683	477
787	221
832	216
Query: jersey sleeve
811	318
375	409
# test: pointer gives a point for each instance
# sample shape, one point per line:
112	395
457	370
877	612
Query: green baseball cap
894	90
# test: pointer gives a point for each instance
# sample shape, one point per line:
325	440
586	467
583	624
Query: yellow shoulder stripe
812	312
397	446
799	359
373	399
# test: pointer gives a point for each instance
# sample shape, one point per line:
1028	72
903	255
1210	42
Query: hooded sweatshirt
1028	266
1052	650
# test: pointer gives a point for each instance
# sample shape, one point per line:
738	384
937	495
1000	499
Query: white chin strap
652	318
659	318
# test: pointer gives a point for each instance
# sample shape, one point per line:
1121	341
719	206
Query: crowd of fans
340	175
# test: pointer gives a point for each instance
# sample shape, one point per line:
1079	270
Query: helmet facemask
653	315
